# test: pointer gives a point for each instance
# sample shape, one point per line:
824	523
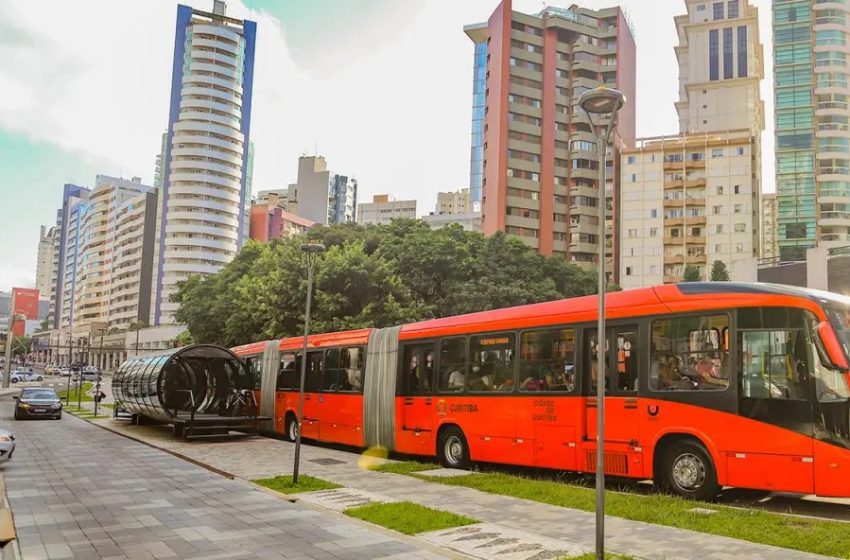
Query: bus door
313	398
621	377
417	401
775	390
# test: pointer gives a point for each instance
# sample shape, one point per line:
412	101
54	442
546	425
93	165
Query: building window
717	209
720	190
727	54
732	9
633	233
738	208
628	271
740	228
718	11
739	151
742	48
653	232
633	178
701	8
653	213
631	160
719	228
713	52
718	248
737	189
739	248
717	152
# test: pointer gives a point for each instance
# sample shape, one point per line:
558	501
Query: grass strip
85	397
404	467
407	517
825	537
283	484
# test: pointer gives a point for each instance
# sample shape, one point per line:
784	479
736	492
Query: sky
381	88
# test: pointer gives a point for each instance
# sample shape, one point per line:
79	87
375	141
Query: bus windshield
840	319
830	383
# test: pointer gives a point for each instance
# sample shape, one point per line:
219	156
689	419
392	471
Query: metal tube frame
601	338
311	263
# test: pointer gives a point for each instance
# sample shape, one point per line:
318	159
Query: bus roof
686	296
638	302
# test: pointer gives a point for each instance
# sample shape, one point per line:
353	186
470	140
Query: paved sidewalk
263	457
78	491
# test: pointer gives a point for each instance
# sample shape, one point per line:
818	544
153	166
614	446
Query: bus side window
343	371
492	357
452	365
418	368
688	353
287	377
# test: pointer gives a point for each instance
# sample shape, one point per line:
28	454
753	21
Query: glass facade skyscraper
476	158
812	146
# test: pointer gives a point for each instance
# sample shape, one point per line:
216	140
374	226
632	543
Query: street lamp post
604	102
10	339
312	250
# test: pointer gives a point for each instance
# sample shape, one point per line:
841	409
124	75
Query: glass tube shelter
195	379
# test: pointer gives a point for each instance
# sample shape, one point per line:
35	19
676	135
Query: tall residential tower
535	149
693	198
811	93
205	169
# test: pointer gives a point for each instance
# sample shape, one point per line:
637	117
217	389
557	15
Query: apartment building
44	271
686	200
769	228
131	249
694	198
205	170
812	146
382	210
270	221
454	202
322	196
66	253
533	147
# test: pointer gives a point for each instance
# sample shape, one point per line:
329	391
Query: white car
7	445
25	376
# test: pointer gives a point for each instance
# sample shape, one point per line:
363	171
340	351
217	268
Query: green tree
719	272
183	339
692	274
371	276
21	345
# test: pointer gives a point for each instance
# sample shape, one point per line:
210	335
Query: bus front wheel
452	449
688	471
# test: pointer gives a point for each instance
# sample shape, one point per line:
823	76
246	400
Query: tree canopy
719	272
692	274
374	276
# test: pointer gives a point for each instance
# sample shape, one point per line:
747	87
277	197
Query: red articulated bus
708	385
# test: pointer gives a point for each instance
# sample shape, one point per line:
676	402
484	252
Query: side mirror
834	352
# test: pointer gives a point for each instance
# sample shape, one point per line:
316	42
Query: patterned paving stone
78	491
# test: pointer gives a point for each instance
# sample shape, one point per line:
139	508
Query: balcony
695	163
670	279
674	202
673	165
674	183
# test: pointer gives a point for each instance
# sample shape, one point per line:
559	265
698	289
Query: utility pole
70	368
10	341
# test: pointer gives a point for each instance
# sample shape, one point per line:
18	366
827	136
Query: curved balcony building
205	167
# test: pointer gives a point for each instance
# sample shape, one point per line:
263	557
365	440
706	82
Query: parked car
65	371
51	369
88	374
38	402
7	445
22	375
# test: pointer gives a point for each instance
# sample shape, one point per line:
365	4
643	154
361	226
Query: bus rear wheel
290	428
452	449
688	471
